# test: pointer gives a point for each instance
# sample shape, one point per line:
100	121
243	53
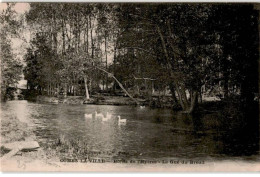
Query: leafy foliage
11	68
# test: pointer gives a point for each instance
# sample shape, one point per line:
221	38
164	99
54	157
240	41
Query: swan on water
108	115
121	121
142	107
95	114
99	115
104	119
88	116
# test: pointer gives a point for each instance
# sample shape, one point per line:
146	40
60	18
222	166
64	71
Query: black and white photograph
129	87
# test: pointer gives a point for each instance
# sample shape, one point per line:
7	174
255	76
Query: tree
11	68
184	47
41	68
175	35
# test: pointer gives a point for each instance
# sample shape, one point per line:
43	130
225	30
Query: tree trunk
58	90
200	97
152	87
137	89
225	86
65	90
173	94
114	66
86	87
106	57
189	108
48	89
146	89
75	90
180	98
87	37
90	85
119	83
194	101
91	38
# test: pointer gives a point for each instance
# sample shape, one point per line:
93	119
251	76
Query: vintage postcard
129	87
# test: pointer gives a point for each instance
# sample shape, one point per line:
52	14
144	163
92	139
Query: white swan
95	115
88	116
108	115
142	107
99	115
104	119
121	121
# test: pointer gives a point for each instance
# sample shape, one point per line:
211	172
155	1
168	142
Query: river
147	134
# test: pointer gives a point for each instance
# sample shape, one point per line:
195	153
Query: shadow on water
242	138
235	136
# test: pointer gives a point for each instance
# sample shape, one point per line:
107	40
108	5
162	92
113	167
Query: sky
20	8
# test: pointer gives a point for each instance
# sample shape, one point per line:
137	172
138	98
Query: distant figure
121	121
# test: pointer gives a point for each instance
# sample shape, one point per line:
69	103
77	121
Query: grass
14	130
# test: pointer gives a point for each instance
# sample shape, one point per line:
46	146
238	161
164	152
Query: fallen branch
121	86
144	78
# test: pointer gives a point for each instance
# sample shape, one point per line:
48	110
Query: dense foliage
11	67
192	50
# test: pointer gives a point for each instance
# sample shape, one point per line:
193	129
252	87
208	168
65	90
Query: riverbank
156	102
13	130
96	99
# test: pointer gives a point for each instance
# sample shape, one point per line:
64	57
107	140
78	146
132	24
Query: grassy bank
13	130
154	102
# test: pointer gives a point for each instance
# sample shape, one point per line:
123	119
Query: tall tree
11	68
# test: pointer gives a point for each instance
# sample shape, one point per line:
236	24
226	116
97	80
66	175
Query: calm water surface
148	133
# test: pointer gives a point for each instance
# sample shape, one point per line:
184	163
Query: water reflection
148	134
